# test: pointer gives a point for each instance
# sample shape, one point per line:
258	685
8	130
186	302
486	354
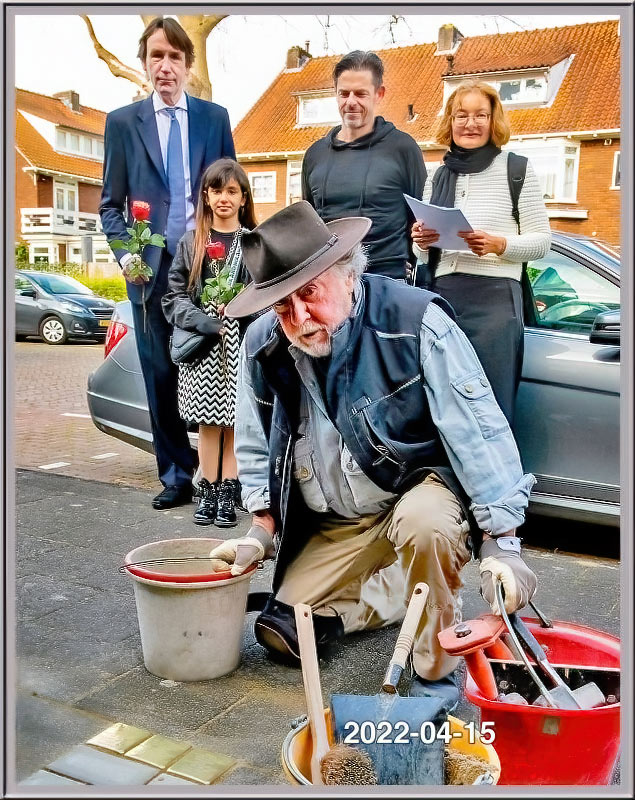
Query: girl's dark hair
217	175
175	35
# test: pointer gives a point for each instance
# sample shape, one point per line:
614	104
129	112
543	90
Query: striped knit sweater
485	201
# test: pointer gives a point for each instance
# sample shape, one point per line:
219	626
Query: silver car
567	412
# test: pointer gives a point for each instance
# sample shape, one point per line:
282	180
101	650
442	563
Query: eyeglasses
461	119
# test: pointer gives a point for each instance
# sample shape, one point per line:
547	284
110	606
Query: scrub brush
345	766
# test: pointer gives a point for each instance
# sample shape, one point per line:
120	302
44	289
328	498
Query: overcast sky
245	53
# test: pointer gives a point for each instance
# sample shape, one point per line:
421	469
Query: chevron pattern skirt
207	389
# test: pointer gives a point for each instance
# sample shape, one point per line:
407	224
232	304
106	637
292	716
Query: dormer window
317	109
523	90
78	144
526	88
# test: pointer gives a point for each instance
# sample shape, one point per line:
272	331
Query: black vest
374	396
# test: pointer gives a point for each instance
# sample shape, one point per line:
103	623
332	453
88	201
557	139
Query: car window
60	284
568	295
22	283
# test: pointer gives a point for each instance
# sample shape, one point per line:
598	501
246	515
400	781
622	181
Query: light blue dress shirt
163	127
478	439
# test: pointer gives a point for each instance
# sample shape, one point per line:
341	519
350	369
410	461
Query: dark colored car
58	307
567	410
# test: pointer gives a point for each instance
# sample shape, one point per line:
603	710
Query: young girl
207	388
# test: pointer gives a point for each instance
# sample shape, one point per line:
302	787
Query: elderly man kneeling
366	434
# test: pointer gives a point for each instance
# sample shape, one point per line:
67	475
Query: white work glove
500	559
242	553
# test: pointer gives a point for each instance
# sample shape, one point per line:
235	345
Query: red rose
215	250
140	210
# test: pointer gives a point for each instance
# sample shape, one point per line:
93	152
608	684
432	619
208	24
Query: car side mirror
606	328
28	293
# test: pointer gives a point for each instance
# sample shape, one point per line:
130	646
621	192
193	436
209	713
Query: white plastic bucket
190	620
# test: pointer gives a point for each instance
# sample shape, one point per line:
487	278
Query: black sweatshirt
368	178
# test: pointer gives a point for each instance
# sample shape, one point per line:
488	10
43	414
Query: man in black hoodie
364	166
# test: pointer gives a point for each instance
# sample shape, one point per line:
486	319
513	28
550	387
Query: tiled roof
39	152
588	98
88	120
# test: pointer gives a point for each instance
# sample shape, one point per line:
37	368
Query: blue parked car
57	307
567	411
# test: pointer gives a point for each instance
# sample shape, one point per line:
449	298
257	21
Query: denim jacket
476	436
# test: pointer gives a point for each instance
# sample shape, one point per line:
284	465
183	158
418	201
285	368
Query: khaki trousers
345	568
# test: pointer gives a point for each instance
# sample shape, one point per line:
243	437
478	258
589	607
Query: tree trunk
198	27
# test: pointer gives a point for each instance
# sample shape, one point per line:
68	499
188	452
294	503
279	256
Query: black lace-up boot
205	514
237	494
226	512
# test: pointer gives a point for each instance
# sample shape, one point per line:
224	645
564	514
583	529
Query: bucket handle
124	567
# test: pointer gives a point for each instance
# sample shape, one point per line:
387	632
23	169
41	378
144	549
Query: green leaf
132	232
118	244
133	247
157	240
145	235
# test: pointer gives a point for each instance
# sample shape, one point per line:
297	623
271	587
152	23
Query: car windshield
60	284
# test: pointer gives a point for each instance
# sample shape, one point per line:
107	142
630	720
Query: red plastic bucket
546	746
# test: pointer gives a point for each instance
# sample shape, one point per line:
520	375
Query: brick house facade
59	161
560	88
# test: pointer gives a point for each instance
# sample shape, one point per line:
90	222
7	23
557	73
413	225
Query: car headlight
71	306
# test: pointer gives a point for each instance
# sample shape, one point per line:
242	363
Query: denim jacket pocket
475	393
304	474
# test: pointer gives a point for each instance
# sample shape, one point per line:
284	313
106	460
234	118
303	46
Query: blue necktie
176	181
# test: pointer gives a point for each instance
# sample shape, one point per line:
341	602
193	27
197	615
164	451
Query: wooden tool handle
312	688
405	640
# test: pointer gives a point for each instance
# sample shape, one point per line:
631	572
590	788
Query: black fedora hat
290	249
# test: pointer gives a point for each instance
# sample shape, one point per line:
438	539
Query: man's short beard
317	350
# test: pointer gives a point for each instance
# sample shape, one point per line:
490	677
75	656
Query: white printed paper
446	221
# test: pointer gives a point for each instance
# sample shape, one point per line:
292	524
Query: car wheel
52	330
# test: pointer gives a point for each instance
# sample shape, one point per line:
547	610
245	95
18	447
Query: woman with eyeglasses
482	283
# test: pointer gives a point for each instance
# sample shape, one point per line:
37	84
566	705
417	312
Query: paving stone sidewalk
79	662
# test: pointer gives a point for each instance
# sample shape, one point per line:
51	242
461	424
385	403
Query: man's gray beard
316	350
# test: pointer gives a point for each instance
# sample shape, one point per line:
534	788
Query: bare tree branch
117	67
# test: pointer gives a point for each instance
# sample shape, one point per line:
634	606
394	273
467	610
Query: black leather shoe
205	514
172	496
226	513
275	630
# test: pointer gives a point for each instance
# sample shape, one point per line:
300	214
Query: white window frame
616	160
94	141
271	196
526	146
322	119
51	252
293	168
66	186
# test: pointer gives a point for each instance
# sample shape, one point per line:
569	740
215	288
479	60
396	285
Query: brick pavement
49	382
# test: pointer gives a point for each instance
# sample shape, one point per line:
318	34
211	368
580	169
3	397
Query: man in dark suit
156	151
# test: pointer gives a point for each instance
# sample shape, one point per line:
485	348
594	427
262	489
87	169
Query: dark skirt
490	312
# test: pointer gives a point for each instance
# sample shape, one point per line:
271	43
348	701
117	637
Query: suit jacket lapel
147	126
196	135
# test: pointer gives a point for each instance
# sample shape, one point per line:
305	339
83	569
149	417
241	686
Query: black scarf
457	161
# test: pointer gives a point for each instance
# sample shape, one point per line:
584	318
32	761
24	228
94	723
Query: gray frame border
625	10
